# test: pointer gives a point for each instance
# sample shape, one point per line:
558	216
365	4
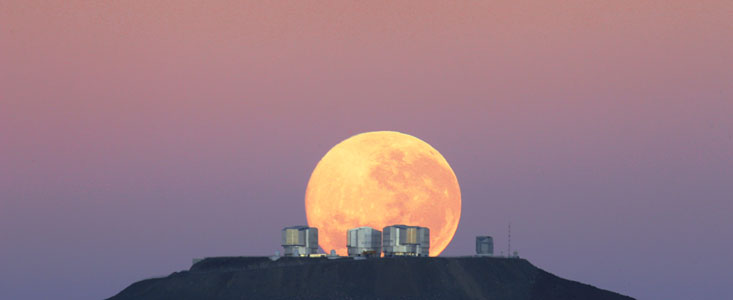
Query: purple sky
137	135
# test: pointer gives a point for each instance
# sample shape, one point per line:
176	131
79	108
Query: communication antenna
509	239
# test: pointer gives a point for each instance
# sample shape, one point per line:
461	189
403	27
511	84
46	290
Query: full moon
378	179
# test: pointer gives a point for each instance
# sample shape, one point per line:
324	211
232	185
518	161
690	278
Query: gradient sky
136	135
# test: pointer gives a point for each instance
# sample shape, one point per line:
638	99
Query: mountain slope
225	278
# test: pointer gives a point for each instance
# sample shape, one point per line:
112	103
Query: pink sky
135	135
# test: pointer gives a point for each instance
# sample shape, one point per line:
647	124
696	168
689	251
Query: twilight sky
136	135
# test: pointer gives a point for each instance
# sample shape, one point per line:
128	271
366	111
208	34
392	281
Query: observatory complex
397	240
366	242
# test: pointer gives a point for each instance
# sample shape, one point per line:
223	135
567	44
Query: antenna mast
509	239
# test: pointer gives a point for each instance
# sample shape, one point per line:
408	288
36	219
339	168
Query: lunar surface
378	179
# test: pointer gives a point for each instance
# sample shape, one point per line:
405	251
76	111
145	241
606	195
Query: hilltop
224	278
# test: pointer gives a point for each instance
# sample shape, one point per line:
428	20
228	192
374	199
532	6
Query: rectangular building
300	241
484	246
403	240
364	242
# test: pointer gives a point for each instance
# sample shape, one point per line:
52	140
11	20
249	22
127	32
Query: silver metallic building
364	242
403	240
484	246
300	241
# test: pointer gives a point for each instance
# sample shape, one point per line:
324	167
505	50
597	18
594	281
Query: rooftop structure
364	242
403	240
484	246
300	241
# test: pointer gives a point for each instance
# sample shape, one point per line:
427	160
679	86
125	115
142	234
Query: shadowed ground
386	278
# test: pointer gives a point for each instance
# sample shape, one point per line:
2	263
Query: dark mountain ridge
224	278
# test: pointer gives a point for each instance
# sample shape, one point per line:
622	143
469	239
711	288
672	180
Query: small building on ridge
364	242
300	241
403	240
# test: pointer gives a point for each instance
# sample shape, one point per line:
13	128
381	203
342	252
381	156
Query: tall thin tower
509	241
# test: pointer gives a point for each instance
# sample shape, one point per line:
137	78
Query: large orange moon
378	179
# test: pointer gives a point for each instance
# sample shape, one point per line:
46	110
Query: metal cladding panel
388	239
292	236
369	237
411	236
424	234
311	239
400	235
376	238
424	241
359	238
390	236
351	238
